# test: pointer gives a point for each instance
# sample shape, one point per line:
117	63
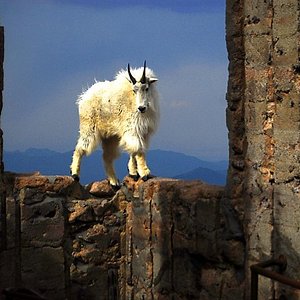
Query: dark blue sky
54	49
181	6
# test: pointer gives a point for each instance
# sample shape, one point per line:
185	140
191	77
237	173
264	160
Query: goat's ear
152	80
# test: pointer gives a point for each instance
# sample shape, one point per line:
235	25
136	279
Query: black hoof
75	177
134	177
115	188
147	177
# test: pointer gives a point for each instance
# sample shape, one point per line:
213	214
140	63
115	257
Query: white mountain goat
120	113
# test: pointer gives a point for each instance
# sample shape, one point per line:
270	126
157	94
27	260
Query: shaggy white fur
119	113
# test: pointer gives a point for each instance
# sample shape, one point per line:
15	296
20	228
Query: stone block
101	189
220	280
258	49
207	225
51	185
255	116
285	50
257	93
89	282
95	226
260	9
8	269
285	19
43	270
42	223
256	24
256	152
234	252
80	211
12	222
187	274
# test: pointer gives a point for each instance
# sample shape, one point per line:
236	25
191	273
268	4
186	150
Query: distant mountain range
162	163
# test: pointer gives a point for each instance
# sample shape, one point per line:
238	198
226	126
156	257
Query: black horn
133	80
143	79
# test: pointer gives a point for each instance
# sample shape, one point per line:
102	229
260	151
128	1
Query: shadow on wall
178	243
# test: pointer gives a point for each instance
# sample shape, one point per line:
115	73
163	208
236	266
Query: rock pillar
177	246
263	118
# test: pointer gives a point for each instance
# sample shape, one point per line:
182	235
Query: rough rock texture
62	242
176	243
163	239
96	229
263	119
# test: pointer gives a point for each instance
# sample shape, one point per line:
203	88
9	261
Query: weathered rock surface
174	234
61	246
263	121
157	239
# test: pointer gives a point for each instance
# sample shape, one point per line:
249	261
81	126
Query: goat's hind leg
76	161
86	144
110	153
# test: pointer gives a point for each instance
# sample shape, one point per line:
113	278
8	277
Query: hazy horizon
31	149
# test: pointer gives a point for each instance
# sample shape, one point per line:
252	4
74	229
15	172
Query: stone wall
178	246
63	241
263	119
163	239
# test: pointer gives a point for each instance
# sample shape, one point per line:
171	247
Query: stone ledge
158	238
66	186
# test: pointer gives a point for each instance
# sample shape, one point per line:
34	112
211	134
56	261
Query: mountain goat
120	113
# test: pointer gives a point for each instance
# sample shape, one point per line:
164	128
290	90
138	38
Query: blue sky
54	49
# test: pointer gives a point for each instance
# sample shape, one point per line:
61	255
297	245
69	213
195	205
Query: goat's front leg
132	168
142	167
110	153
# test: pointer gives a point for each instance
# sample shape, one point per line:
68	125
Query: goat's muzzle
142	109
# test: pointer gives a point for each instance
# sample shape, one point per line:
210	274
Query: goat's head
141	90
